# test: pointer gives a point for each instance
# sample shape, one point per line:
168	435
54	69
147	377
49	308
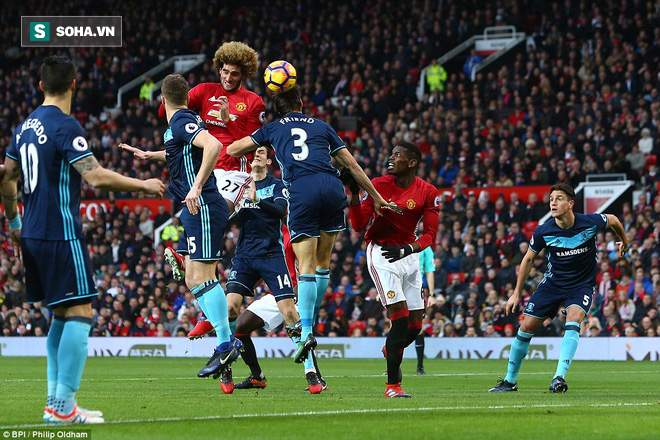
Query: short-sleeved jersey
246	113
184	159
572	259
426	260
46	145
303	145
261	233
419	201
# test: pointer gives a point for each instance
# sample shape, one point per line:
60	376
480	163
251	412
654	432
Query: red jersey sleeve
361	214
430	218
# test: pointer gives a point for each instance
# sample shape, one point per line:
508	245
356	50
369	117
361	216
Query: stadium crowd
581	98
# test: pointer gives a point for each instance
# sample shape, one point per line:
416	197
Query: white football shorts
233	186
266	309
398	281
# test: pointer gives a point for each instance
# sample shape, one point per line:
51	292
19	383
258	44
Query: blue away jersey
303	145
184	159
261	233
572	259
46	145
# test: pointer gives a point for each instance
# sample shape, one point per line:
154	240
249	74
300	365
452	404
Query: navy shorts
317	204
545	301
57	271
203	233
246	272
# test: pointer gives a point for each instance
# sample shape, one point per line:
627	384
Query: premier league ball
280	76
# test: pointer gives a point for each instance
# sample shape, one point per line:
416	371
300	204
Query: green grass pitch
145	398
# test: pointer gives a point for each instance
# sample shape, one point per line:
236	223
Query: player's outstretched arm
241	147
614	223
346	160
211	147
525	268
99	177
8	188
8	191
144	155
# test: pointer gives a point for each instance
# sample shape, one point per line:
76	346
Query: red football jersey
246	114
419	201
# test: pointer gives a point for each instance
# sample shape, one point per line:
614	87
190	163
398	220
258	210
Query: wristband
15	223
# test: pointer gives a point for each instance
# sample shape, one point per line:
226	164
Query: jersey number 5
30	165
300	142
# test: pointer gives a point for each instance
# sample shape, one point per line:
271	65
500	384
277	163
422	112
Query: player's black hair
175	89
565	188
57	74
289	101
412	151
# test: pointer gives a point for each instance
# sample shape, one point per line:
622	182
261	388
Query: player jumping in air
392	251
191	152
230	111
304	146
569	279
51	150
260	255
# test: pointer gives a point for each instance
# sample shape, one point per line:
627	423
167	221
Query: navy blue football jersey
261	233
184	159
572	259
46	145
303	145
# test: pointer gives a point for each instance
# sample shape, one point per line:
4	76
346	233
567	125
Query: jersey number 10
30	165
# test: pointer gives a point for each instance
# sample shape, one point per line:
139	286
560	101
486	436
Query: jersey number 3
300	142
30	165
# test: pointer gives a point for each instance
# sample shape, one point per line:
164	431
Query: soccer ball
280	76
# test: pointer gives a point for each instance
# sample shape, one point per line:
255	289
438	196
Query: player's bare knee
192	279
234	302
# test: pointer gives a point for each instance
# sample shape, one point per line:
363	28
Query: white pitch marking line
343	412
343	376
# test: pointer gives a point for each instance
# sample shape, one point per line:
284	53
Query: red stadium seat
350	134
528	229
651	159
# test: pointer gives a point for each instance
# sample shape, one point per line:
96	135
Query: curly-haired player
230	112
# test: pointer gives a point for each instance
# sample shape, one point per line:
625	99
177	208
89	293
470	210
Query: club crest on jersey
391	294
80	144
232	275
530	308
411	204
240	106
